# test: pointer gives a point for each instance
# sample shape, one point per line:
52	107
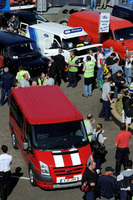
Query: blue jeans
105	109
3	92
72	78
93	2
124	195
115	92
98	163
90	195
99	74
128	75
87	89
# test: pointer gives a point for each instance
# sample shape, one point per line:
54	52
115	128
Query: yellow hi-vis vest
20	75
39	81
89	69
87	123
72	61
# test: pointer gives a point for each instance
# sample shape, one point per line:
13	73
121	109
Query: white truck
51	36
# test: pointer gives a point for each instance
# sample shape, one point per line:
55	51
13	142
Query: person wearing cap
91	177
122	149
124	179
107	184
89	121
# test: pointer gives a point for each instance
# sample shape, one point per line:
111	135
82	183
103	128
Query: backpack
98	148
85	187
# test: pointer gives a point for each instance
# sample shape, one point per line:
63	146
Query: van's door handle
45	53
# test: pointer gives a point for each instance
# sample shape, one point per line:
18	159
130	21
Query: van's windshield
59	136
75	42
26	50
124	33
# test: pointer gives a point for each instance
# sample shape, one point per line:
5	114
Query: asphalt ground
21	188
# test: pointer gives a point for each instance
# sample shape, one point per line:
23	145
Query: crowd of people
107	73
106	187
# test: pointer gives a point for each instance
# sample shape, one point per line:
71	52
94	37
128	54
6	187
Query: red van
120	34
50	133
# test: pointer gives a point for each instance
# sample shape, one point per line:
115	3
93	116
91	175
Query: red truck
120	34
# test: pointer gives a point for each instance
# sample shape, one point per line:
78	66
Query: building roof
45	104
94	16
9	39
59	29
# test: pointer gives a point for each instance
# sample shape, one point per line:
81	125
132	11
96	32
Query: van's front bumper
46	182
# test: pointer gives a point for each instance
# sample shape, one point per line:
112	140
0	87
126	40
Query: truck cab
120	33
51	36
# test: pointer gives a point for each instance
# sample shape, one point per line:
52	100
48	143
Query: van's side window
16	112
28	136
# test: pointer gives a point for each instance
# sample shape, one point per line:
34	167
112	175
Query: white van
51	36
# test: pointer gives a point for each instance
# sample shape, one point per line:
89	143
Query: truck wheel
14	141
32	177
64	23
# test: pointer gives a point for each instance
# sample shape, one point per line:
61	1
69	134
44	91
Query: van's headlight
44	168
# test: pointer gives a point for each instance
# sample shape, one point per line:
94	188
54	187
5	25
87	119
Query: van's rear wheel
32	177
14	141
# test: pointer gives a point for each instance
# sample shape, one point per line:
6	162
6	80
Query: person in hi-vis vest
19	76
72	70
89	121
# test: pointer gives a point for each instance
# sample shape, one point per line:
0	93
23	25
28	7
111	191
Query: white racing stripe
22	177
58	160
75	159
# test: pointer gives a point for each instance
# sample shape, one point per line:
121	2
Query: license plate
68	180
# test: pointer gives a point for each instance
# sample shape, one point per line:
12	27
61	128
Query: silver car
65	12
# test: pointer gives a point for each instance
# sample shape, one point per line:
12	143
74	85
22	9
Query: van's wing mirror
25	146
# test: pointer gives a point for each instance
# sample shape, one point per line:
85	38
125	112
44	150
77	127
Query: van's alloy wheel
32	177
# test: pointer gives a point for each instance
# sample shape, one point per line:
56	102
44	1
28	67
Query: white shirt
100	59
128	64
5	161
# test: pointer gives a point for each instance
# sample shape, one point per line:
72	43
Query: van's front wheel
32	177
14	141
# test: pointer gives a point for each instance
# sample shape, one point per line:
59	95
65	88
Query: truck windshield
75	42
23	50
124	34
59	136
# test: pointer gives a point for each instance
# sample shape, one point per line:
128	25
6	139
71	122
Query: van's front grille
61	171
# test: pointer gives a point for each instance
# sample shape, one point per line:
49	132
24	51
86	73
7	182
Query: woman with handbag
98	147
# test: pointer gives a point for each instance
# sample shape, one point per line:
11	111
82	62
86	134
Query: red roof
93	16
45	104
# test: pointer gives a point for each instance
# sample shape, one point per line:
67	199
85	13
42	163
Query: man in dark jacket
60	63
91	177
7	82
124	181
107	184
127	111
119	81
